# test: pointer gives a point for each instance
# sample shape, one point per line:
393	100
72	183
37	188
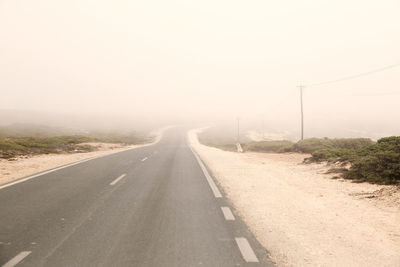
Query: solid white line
246	250
14	261
210	181
144	159
227	214
117	180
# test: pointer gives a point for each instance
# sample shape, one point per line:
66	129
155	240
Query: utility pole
238	146
238	132
301	108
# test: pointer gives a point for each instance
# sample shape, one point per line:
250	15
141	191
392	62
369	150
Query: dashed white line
144	159
210	181
227	214
14	261
118	179
246	250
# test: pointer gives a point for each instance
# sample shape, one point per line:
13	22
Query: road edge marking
210	181
228	214
246	250
17	259
118	179
45	172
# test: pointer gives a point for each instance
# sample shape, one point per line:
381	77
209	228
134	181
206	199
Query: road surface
149	206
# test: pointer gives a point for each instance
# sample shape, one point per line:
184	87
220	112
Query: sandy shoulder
304	218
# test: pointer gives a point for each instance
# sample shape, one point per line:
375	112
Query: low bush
331	155
379	163
316	144
269	146
6	144
129	139
221	145
18	145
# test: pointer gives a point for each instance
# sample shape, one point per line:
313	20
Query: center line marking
246	250
144	159
227	214
14	261
117	180
210	181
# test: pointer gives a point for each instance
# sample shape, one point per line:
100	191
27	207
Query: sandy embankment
304	218
11	170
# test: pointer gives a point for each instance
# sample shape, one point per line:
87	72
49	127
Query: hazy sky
204	58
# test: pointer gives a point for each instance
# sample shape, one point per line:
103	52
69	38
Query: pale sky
202	59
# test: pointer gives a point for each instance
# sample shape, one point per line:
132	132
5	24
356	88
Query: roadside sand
304	218
28	165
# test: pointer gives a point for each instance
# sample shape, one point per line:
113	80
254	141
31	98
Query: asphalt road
149	206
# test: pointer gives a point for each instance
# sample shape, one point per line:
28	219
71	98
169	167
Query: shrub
13	146
315	144
312	144
352	143
379	163
269	146
331	155
130	138
6	144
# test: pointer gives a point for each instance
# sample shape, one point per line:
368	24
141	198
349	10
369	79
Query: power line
356	75
301	110
301	87
378	94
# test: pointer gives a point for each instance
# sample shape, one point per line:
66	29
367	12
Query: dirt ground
302	216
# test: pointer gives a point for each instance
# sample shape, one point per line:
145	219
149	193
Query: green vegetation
378	163
228	145
317	144
12	146
323	148
332	155
128	139
333	150
269	146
